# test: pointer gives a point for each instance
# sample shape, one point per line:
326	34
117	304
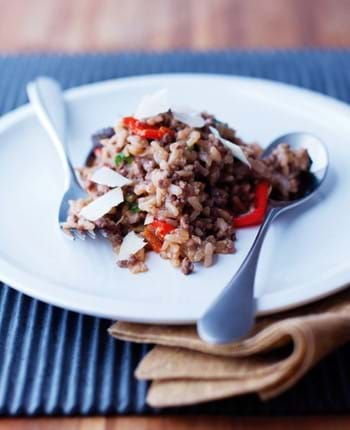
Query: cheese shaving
235	149
149	219
188	116
109	177
153	104
102	205
130	245
159	102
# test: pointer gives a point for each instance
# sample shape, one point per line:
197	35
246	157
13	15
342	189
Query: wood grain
178	423
105	25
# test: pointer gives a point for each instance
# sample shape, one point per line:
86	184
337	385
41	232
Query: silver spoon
232	314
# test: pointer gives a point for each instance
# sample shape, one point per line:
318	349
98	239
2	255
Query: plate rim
19	114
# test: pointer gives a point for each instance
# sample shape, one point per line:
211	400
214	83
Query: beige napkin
279	351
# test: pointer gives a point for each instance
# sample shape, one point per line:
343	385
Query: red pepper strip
144	130
155	233
152	239
257	215
162	228
130	121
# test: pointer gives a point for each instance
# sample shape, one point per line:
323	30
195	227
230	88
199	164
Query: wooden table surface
106	25
67	25
176	423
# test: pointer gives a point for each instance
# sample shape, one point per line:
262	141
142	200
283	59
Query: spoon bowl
232	314
312	180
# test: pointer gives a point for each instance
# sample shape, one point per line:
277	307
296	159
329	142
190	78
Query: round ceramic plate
305	256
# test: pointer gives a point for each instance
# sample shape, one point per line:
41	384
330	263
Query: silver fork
46	98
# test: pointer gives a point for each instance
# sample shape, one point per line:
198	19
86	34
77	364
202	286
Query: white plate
305	256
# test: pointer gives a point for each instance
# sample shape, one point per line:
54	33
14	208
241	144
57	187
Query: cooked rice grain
188	179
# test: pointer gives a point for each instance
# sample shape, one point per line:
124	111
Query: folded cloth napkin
279	351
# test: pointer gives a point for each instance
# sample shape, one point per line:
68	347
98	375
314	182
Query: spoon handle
46	97
232	315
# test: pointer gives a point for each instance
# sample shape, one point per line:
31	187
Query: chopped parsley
119	158
134	207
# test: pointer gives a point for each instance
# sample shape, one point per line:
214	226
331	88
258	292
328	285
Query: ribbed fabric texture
56	362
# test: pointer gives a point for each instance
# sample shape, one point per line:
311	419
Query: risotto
179	183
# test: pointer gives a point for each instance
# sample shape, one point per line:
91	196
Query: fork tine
69	233
74	233
103	232
91	234
79	234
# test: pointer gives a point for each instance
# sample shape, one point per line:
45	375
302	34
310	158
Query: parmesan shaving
235	149
130	245
159	102
102	205
149	219
189	117
110	178
153	104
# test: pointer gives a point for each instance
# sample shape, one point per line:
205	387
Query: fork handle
46	97
232	315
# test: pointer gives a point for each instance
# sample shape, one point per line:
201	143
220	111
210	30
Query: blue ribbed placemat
55	362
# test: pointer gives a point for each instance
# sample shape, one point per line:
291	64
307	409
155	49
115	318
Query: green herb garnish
135	208
119	158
